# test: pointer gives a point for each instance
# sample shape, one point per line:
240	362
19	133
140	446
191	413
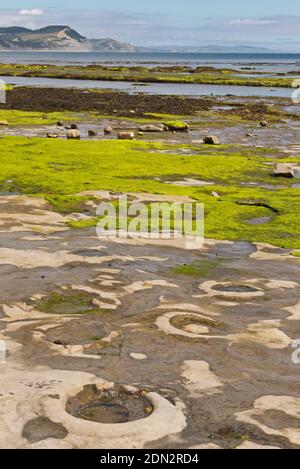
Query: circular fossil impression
231	289
109	406
234	288
192	325
80	331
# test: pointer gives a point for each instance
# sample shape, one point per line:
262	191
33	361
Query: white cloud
149	30
34	12
250	22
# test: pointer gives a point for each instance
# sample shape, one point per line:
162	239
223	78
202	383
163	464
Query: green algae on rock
177	126
68	302
57	169
197	269
145	75
18	118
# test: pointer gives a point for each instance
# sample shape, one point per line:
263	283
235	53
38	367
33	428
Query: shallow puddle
259	221
113	405
189	183
7	193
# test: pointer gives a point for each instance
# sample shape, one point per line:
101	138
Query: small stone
3	123
130	389
148	410
59	124
73	135
92	133
263	123
215	194
52	135
74	126
138	356
283	170
108	130
211	140
132	112
151	128
125	135
141	134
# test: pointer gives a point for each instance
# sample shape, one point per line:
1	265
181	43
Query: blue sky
270	23
179	7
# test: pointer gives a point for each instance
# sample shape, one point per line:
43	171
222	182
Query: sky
267	23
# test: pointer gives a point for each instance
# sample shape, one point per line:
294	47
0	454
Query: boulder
92	133
52	135
108	130
125	135
73	135
177	126
211	140
283	170
151	128
3	123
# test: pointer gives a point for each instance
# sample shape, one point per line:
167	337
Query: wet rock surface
115	345
216	347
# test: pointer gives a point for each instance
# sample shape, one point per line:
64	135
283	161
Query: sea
269	63
261	60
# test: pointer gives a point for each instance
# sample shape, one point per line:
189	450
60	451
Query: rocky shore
136	344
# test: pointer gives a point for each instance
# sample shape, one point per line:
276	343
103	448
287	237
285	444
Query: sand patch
198	377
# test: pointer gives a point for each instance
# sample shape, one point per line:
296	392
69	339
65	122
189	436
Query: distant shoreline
62	51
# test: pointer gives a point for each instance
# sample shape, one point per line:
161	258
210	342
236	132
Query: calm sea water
153	88
270	63
273	61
